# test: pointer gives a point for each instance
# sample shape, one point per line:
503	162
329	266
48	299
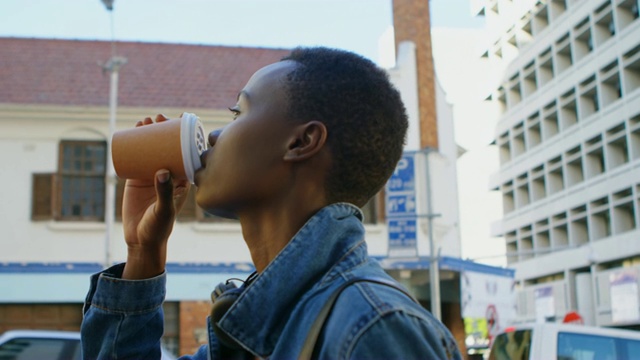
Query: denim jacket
273	315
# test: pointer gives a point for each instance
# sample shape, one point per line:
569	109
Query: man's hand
148	213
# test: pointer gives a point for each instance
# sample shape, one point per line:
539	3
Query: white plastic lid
193	144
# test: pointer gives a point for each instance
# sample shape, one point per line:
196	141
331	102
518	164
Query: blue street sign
401	205
403	178
402	234
402	208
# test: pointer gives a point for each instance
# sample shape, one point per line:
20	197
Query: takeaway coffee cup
174	144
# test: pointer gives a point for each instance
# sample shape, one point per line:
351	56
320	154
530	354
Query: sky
354	25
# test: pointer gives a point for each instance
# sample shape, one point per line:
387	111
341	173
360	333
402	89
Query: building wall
568	143
65	317
193	325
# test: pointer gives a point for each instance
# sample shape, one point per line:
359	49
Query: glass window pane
581	346
514	345
36	349
83	168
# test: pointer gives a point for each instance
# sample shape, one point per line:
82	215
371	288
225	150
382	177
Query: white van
564	342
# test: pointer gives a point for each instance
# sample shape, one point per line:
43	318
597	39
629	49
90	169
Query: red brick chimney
411	22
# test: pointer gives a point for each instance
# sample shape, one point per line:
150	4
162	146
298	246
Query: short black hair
363	112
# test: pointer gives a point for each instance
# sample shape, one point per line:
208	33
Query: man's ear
306	141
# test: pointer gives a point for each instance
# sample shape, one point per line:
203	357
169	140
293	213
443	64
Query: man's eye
234	112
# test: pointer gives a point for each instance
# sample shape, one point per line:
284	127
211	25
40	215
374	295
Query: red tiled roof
66	72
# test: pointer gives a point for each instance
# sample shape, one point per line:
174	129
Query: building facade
567	87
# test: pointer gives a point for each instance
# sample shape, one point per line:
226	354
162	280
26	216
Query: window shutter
188	212
42	196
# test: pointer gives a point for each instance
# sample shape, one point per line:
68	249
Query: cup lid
193	144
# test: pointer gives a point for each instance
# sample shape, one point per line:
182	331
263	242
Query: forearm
145	263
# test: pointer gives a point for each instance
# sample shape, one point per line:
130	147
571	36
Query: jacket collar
258	317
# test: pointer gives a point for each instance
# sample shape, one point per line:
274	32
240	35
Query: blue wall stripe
446	263
90	268
13	267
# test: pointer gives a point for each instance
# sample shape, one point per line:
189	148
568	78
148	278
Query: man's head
325	120
362	111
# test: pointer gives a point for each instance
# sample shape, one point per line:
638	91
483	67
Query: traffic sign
403	239
401	205
402	208
403	178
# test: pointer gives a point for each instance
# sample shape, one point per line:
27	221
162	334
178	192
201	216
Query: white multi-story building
569	146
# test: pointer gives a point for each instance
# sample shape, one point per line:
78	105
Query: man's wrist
144	263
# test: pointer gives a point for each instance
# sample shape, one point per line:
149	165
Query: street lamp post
112	66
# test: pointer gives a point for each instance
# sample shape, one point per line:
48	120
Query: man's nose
213	136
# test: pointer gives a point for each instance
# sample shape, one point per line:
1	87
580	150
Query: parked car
45	344
564	342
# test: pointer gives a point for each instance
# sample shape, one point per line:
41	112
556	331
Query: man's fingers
164	208
161	118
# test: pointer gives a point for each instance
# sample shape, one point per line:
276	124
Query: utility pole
112	66
434	257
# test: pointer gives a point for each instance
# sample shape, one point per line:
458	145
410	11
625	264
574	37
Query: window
555	176
560	232
624	217
508	199
583	41
586	346
564	56
627	12
76	192
605	27
82	180
550	120
514	345
171	337
631	74
35	348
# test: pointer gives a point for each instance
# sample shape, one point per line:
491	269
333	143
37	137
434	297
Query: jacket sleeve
123	319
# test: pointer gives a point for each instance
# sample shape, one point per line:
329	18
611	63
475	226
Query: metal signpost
402	197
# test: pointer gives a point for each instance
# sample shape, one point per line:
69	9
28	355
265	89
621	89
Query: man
313	137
